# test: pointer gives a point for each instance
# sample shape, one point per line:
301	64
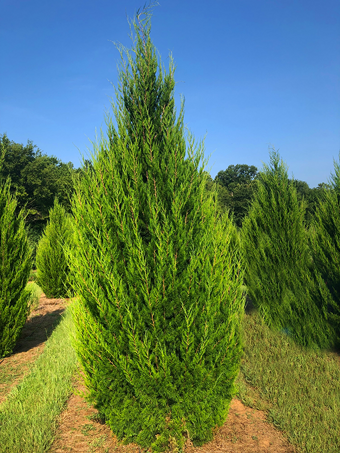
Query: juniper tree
53	275
281	279
158	318
15	267
325	245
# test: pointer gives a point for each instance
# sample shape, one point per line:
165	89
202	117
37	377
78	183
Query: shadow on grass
38	328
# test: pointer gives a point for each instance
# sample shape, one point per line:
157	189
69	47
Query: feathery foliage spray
158	318
15	267
281	281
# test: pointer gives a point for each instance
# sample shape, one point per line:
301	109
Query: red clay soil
245	431
79	430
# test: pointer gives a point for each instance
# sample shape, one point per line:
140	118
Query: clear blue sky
255	74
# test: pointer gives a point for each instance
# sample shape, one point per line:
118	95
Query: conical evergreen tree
325	244
158	318
15	267
281	279
53	275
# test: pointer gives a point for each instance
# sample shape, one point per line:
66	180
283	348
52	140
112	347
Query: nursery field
288	399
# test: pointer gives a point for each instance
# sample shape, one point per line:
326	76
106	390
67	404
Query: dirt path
245	431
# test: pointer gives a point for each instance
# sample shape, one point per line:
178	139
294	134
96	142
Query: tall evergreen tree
53	275
325	244
281	279
15	267
158	318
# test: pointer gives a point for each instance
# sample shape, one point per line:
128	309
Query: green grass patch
36	292
302	386
28	415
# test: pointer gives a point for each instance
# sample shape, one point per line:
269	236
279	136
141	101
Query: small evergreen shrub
15	267
53	274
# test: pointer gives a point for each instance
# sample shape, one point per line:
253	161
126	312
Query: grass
36	292
12	371
27	416
302	390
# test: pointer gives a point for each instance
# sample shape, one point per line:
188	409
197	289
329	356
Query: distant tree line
37	179
237	186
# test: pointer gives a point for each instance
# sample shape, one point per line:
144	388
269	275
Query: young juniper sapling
52	267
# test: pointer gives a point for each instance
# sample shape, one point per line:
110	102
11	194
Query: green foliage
158	319
312	197
52	268
325	245
237	189
34	233
281	280
236	175
33	276
238	186
15	267
36	180
35	293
